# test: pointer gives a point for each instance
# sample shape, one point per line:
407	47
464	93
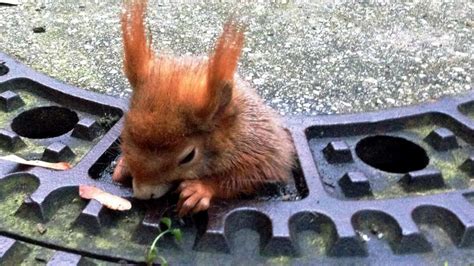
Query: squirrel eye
188	158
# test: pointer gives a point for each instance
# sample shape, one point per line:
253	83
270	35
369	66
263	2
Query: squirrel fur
192	120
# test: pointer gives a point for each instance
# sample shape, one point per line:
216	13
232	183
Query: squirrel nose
145	191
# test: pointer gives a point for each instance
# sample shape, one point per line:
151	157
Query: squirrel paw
195	196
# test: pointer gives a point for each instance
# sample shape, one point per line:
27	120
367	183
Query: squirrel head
177	105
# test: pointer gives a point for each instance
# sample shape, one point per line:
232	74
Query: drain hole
3	69
392	154
44	122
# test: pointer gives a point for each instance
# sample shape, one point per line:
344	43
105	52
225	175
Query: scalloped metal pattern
351	204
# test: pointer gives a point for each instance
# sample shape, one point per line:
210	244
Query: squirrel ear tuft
222	66
223	61
225	96
138	53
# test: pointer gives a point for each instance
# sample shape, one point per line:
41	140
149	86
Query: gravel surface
310	58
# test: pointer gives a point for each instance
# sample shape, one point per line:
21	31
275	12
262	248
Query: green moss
319	244
327	230
25	254
448	169
13	192
104	244
107	120
422	131
11	205
113	236
447	162
30	99
61	230
37	256
35	147
118	237
282	260
316	243
449	165
80	151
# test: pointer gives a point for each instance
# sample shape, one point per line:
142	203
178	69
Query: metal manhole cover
393	186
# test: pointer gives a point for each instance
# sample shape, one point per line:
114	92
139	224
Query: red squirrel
193	120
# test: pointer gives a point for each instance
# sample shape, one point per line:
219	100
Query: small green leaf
166	221
154	252
163	261
151	256
177	234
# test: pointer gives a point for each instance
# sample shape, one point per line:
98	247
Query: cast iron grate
396	182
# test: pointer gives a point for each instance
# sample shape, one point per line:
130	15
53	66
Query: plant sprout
152	253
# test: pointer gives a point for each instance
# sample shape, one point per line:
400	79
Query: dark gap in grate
392	154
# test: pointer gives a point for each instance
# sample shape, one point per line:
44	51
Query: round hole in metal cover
44	122
392	154
3	69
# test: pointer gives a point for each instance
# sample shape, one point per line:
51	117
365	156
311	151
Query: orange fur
138	53
180	103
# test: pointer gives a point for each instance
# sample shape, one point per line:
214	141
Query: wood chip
108	200
55	166
41	228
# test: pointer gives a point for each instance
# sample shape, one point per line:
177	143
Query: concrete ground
310	58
